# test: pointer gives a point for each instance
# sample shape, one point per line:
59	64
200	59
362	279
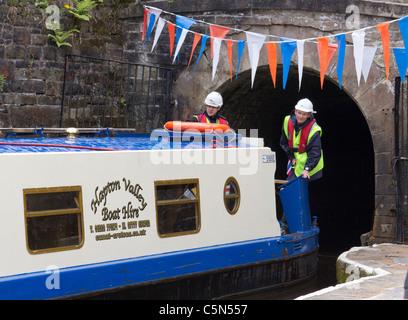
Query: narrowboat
105	214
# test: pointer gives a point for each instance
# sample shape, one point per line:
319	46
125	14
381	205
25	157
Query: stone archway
372	101
343	200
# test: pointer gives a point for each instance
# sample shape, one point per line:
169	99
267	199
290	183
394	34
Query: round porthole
231	195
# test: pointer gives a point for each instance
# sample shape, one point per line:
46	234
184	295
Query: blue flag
341	40
401	58
150	27
288	47
203	41
403	25
241	47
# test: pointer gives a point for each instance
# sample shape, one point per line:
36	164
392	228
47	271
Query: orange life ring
181	126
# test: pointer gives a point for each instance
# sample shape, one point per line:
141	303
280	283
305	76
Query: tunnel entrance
343	199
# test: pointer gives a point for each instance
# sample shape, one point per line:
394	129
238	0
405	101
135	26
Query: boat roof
36	140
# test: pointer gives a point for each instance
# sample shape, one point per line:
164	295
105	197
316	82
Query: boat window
231	195
53	219
178	207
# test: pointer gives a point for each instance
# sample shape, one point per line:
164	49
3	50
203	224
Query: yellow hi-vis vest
301	158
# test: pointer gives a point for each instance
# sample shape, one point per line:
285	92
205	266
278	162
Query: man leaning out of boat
213	103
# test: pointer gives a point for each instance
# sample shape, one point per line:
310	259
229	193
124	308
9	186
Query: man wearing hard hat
213	103
300	140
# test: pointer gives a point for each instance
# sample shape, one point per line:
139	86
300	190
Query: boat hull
223	283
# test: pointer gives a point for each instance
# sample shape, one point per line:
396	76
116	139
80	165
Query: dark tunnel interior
343	199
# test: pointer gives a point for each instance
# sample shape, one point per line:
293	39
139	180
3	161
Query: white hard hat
214	99
305	105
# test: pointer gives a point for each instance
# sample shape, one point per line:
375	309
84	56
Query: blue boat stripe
112	274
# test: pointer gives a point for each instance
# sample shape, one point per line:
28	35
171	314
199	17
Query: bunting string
363	55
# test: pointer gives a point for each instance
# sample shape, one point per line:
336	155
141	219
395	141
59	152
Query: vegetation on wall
78	10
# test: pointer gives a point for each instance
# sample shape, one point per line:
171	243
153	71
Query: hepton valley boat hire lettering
128	211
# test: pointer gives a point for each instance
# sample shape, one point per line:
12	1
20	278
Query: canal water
325	277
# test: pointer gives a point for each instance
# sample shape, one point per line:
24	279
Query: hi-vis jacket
303	143
203	117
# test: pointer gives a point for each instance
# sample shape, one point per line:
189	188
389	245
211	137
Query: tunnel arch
344	198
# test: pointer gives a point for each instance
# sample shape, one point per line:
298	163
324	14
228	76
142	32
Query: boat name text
101	196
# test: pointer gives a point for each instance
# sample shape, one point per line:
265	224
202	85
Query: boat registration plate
268	158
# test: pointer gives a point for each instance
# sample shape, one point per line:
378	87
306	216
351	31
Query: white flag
300	51
216	47
358	44
255	42
159	30
369	53
180	42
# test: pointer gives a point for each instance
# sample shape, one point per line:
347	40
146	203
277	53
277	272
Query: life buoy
181	126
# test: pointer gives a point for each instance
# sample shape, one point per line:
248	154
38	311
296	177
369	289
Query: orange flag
229	46
144	23
197	38
217	32
172	29
272	57
385	36
326	52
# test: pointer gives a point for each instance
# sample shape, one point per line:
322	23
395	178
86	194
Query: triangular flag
241	47
326	52
288	47
341	41
255	42
203	41
358	50
273	60
152	21
153	15
217	32
180	42
172	28
197	38
159	30
385	37
401	58
403	25
182	24
369	53
216	48
230	43
144	22
300	49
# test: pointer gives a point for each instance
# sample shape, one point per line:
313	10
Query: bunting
159	29
369	53
300	49
172	30
183	24
363	55
273	60
229	47
287	48
358	50
341	43
203	42
217	32
255	42
241	47
197	38
326	52
385	38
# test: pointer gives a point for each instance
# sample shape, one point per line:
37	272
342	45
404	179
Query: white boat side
134	174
